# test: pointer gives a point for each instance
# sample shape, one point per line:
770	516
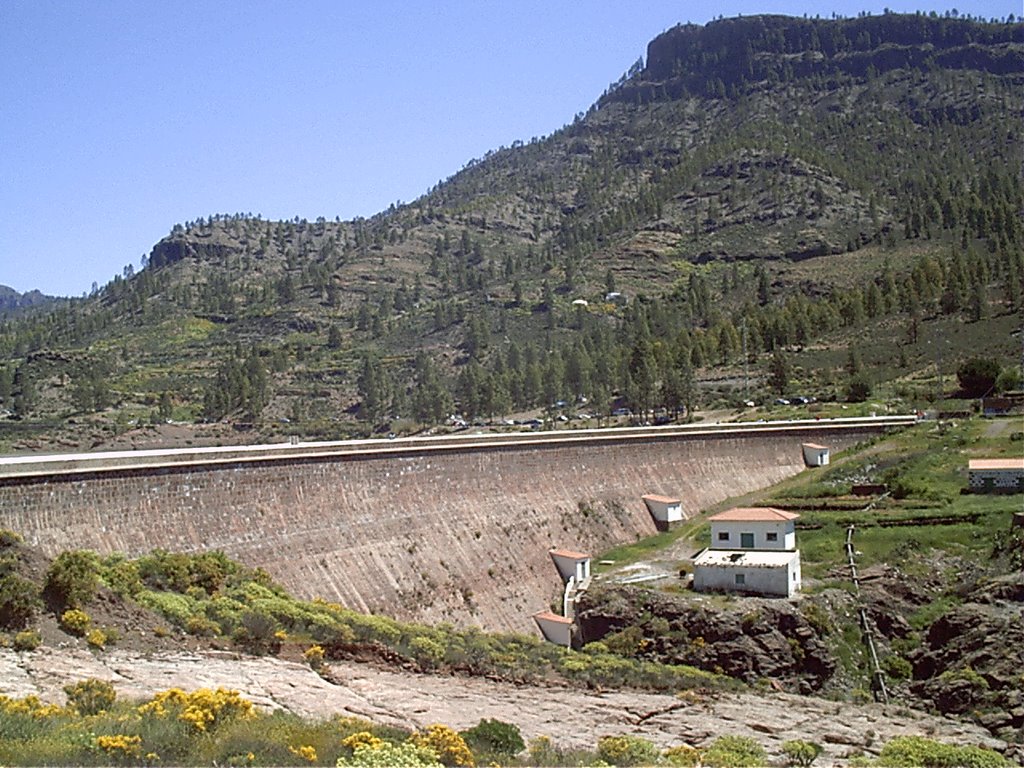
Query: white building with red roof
753	549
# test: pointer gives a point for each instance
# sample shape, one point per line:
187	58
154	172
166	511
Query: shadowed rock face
756	639
460	534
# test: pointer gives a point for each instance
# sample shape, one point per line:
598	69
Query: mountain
11	300
766	206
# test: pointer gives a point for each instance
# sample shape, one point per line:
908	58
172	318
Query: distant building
556	629
665	510
571	565
754	528
815	455
753	549
574	568
996	475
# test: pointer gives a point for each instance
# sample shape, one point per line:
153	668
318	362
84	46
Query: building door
747	540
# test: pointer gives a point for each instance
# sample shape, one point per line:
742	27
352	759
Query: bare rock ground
572	717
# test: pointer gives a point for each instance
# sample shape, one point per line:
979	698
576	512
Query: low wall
436	530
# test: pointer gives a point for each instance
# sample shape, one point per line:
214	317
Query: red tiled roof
1009	463
660	499
754	515
816	447
549	616
569	554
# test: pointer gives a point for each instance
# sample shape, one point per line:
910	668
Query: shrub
9	538
314	656
97	638
75	622
19	601
305	752
494	738
119	747
389	755
448	745
200	626
897	667
978	375
858	388
626	750
735	752
27	640
203	710
90	696
122	576
427	652
72	580
256	632
682	755
908	751
801	753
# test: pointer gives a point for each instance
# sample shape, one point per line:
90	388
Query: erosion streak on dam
437	529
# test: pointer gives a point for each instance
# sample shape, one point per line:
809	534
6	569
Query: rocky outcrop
755	49
752	639
573	718
971	661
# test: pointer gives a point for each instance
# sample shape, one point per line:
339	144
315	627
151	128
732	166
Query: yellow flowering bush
314	655
449	746
75	621
202	709
119	746
362	739
307	753
97	638
31	706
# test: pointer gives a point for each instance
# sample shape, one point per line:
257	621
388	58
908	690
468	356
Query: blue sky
120	118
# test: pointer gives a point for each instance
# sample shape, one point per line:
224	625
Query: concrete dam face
436	529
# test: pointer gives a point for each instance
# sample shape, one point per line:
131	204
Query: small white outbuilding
665	510
815	455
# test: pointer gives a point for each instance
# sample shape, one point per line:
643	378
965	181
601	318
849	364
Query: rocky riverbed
572	717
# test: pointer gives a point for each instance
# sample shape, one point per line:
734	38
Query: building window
772	536
723	535
740	579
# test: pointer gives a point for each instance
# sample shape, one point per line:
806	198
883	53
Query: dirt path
571	717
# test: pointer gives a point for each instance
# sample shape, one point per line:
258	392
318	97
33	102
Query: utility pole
746	388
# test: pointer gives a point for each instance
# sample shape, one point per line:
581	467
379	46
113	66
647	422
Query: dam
453	528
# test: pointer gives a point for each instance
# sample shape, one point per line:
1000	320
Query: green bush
494	738
27	640
122	576
919	752
897	667
90	696
9	538
72	579
801	753
735	752
682	755
627	750
19	601
174	607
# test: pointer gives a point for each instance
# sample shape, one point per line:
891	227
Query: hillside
729	221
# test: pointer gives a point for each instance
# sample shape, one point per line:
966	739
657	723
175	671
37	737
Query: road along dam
432	529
